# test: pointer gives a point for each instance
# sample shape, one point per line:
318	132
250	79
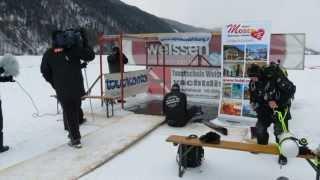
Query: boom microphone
10	65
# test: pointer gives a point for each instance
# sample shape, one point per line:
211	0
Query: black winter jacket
260	105
114	62
175	108
63	70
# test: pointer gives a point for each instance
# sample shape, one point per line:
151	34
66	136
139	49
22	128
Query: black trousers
191	112
81	119
1	126
264	121
71	112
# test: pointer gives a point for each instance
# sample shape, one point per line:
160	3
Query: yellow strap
281	119
315	161
279	148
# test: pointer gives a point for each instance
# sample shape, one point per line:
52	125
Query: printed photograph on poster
257	52
233	69
214	59
227	88
247	110
233	53
246	91
236	91
249	64
230	107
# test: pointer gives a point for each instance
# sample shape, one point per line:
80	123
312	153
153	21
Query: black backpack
191	155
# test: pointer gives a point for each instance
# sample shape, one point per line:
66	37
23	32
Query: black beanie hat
175	87
254	71
270	71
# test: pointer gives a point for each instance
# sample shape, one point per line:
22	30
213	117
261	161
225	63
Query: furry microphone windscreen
10	65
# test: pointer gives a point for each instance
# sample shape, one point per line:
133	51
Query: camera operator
81	115
8	68
61	67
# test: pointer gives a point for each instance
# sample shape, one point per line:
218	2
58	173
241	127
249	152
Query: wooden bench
108	100
239	146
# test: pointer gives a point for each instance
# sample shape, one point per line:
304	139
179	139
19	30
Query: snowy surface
100	146
152	158
29	136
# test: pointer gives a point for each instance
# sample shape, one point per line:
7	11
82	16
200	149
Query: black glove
11	79
83	65
7	79
84	36
1	70
210	137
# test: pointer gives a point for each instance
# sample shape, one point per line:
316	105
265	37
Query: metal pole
101	80
163	71
147	55
121	69
86	76
199	58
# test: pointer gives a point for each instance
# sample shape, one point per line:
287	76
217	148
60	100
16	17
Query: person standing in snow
114	60
9	67
61	67
270	95
81	115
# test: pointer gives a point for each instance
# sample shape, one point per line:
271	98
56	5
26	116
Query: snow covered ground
29	136
152	158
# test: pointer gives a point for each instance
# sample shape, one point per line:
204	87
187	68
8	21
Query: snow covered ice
151	158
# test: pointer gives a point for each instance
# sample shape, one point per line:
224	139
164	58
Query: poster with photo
233	69
227	90
237	91
233	53
243	44
257	52
246	94
231	107
247	110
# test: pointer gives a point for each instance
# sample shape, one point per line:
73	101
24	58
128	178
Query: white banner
186	39
134	82
202	83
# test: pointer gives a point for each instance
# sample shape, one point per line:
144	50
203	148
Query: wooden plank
239	146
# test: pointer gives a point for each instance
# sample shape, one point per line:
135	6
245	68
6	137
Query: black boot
253	131
2	147
282	160
82	120
75	144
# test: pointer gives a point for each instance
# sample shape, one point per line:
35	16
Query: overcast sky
286	16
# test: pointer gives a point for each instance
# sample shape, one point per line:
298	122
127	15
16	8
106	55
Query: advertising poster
176	48
202	83
243	44
134	82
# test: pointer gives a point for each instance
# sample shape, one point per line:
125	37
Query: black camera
67	39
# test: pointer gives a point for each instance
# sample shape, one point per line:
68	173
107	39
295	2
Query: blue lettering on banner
129	81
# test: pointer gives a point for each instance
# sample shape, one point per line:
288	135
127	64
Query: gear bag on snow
191	155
